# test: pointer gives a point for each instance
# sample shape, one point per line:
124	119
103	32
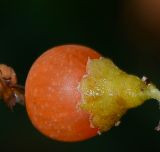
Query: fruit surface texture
52	96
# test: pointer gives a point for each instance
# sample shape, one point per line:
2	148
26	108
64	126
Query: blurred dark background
127	31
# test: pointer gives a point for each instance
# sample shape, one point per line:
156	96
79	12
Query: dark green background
28	28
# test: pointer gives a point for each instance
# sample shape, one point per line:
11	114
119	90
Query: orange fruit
52	95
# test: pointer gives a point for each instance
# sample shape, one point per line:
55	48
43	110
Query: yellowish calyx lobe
108	92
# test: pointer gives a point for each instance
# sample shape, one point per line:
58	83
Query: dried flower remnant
10	92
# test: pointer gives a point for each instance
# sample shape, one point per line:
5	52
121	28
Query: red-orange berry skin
52	95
